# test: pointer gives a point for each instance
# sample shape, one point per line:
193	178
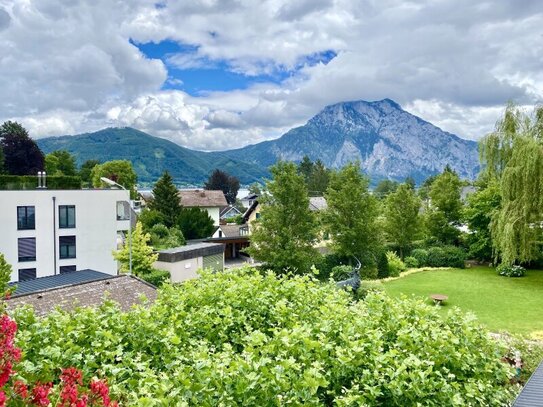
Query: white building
210	201
45	232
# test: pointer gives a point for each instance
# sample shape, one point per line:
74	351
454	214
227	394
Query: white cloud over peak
69	66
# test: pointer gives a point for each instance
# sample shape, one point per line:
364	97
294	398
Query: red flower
72	375
100	389
2	399
21	389
40	394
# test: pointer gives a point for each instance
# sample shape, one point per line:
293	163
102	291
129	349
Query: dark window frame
27	270
64	269
64	251
20	258
25	225
66	209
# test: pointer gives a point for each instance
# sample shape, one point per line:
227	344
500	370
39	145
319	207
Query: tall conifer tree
166	199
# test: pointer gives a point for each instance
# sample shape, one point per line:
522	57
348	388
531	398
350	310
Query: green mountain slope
150	156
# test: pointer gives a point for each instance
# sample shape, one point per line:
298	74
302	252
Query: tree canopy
351	217
284	235
228	184
60	162
143	257
402	223
85	171
120	171
195	223
22	155
166	200
513	155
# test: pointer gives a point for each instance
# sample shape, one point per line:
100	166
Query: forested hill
150	156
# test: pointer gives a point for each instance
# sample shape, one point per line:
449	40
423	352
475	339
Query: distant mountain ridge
387	141
150	156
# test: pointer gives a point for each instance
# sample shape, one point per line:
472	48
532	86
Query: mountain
388	141
150	156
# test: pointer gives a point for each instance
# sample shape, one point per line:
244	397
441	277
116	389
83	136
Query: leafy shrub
531	353
411	262
156	277
368	286
395	264
382	265
454	257
421	255
368	272
11	182
510	271
245	338
436	257
326	263
341	272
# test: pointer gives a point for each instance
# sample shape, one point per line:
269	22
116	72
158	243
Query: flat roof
190	251
57	281
532	393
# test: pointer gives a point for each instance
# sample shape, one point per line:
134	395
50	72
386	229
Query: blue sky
218	75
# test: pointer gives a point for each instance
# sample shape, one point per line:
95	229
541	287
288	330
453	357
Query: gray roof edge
45	290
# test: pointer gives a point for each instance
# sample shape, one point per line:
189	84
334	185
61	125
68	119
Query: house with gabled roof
208	200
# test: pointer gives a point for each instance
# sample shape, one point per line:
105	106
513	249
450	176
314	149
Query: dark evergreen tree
228	184
319	179
305	168
166	200
195	223
85	171
1	161
22	155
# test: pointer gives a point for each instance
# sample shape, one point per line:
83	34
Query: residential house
210	201
48	232
229	212
248	200
234	237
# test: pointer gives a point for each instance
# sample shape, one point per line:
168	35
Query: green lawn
501	303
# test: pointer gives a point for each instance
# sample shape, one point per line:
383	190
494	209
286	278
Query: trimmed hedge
18	182
156	277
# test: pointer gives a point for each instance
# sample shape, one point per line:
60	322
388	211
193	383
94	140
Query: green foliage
228	184
385	187
5	273
482	205
382	264
351	217
255	188
163	237
402	223
85	171
13	182
157	277
508	270
149	218
2	160
395	264
166	199
445	208
22	155
143	257
411	262
195	223
120	171
341	272
368	286
446	256
326	263
284	235
246	339
531	353
60	162
421	255
513	155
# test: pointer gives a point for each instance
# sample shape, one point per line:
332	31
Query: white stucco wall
95	229
214	213
181	270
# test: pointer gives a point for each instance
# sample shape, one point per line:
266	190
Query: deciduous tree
120	171
284	235
513	155
143	256
22	155
86	169
351	217
228	184
60	162
401	217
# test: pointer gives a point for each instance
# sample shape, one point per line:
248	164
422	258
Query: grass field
501	303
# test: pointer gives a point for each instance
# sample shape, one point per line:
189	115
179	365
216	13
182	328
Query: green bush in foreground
411	262
395	264
510	271
245	339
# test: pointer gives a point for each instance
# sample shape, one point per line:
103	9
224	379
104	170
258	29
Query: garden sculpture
354	280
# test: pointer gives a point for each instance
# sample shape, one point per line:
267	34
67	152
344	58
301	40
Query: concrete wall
214	213
95	229
181	270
